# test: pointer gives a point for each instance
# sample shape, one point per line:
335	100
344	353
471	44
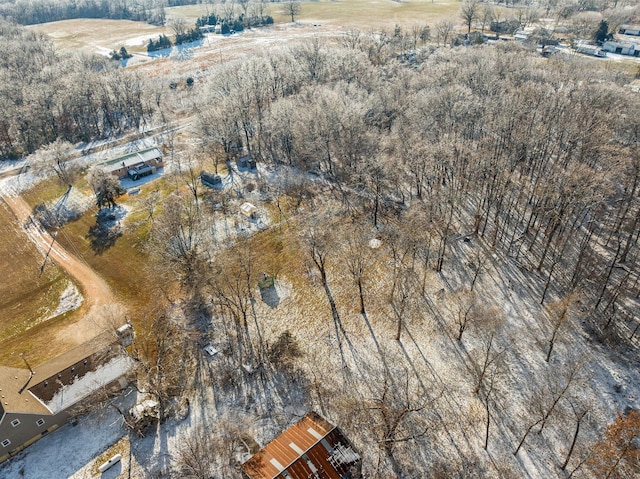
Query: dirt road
96	292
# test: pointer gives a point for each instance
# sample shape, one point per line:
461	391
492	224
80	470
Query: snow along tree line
534	162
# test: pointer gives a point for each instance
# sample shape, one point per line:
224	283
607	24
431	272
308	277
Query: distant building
311	448
622	48
630	30
521	36
587	48
35	402
135	165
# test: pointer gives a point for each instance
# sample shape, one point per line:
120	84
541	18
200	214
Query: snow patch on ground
70	448
70	300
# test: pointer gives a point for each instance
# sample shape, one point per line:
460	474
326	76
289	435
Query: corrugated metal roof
131	159
311	446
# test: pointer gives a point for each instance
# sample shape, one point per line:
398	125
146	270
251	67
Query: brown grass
124	267
100	35
370	14
46	191
359	14
28	297
103	36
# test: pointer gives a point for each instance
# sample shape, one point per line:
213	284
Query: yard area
30	293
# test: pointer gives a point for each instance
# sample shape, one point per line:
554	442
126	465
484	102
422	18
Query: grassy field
28	297
371	14
123	264
360	14
103	36
100	35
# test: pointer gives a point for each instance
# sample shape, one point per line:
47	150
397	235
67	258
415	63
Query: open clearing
102	36
359	14
28	297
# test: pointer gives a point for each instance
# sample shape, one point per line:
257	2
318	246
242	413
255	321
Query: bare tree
179	25
397	415
403	296
580	410
189	170
291	9
244	4
558	384
178	241
560	312
358	258
443	30
489	361
161	354
489	388
106	187
57	158
467	311
469	11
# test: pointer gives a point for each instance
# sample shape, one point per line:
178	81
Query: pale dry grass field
102	36
357	14
371	14
29	295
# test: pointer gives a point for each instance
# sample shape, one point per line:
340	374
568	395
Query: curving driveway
97	294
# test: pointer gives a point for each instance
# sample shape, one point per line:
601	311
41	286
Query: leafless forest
452	232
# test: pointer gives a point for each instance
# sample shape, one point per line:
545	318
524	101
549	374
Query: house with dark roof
135	165
312	448
35	402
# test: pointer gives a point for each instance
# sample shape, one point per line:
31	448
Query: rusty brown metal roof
311	446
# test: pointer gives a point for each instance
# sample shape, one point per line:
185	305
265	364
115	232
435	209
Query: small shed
587	48
212	181
248	210
242	162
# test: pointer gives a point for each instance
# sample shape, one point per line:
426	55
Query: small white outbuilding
249	210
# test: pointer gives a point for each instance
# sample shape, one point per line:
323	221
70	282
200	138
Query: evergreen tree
602	33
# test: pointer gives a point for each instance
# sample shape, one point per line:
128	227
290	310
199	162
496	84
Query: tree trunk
573	443
525	437
486	433
361	293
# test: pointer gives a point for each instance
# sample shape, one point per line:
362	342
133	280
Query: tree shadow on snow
106	230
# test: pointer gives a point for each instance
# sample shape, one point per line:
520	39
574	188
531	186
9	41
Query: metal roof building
136	164
36	401
312	448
